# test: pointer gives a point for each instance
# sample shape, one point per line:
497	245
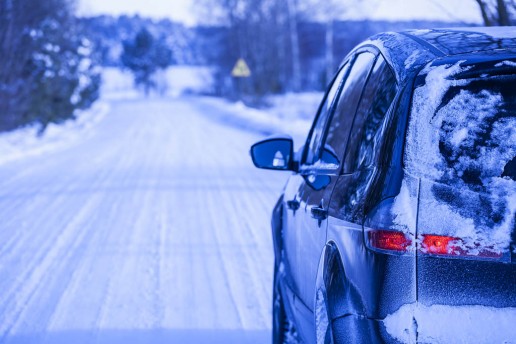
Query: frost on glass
461	137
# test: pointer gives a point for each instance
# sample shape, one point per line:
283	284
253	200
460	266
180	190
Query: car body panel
365	286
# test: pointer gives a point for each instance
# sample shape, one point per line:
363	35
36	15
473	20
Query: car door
294	190
360	187
319	170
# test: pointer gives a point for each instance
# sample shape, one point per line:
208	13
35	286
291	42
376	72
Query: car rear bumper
416	323
458	282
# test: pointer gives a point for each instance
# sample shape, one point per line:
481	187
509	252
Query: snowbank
26	142
290	114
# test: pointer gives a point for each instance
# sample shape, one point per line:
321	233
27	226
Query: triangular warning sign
241	70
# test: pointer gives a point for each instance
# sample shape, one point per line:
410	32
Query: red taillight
389	240
451	246
440	245
437	244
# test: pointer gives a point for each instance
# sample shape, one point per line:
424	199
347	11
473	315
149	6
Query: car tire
283	330
323	327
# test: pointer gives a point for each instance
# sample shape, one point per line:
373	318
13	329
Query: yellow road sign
241	70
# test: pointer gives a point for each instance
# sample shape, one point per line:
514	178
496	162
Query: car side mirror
273	153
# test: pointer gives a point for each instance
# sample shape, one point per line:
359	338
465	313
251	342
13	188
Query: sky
178	10
184	10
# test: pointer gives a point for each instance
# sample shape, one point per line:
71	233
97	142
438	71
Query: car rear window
461	142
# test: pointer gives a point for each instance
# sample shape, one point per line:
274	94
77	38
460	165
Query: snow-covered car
398	221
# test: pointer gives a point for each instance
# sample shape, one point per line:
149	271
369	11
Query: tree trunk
503	14
483	10
329	51
294	42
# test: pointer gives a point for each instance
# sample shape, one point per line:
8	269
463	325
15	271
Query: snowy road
152	228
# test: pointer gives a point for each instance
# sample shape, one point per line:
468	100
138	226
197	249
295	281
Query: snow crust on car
412	59
500	32
438	324
406	55
506	63
455	155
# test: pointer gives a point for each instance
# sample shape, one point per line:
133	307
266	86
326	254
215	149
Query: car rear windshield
462	131
461	140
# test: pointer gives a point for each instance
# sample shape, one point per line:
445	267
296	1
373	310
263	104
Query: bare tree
497	12
294	42
264	34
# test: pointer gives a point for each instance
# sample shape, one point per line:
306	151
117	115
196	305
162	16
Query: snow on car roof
465	40
408	51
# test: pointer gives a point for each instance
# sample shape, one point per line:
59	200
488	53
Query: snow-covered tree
65	76
144	56
47	70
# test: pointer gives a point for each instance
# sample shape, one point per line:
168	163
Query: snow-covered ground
143	222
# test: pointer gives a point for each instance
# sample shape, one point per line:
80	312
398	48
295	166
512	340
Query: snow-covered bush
48	70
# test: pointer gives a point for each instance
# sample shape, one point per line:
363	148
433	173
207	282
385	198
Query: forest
52	60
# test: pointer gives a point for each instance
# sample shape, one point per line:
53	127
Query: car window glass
376	100
342	120
324	111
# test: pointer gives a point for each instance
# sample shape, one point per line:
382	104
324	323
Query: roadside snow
175	81
449	324
26	142
288	115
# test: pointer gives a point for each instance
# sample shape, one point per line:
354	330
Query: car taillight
391	228
438	245
452	246
388	240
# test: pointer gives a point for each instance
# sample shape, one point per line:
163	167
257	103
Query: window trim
303	166
387	116
350	59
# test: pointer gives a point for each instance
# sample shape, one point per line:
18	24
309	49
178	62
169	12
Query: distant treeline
214	46
274	74
109	33
50	58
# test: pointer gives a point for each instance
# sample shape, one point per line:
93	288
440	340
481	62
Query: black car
398	221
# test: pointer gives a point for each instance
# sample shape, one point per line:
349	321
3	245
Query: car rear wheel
323	328
283	330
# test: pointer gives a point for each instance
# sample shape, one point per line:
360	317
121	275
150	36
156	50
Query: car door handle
319	213
293	204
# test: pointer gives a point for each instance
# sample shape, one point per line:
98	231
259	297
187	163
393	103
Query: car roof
408	51
466	40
